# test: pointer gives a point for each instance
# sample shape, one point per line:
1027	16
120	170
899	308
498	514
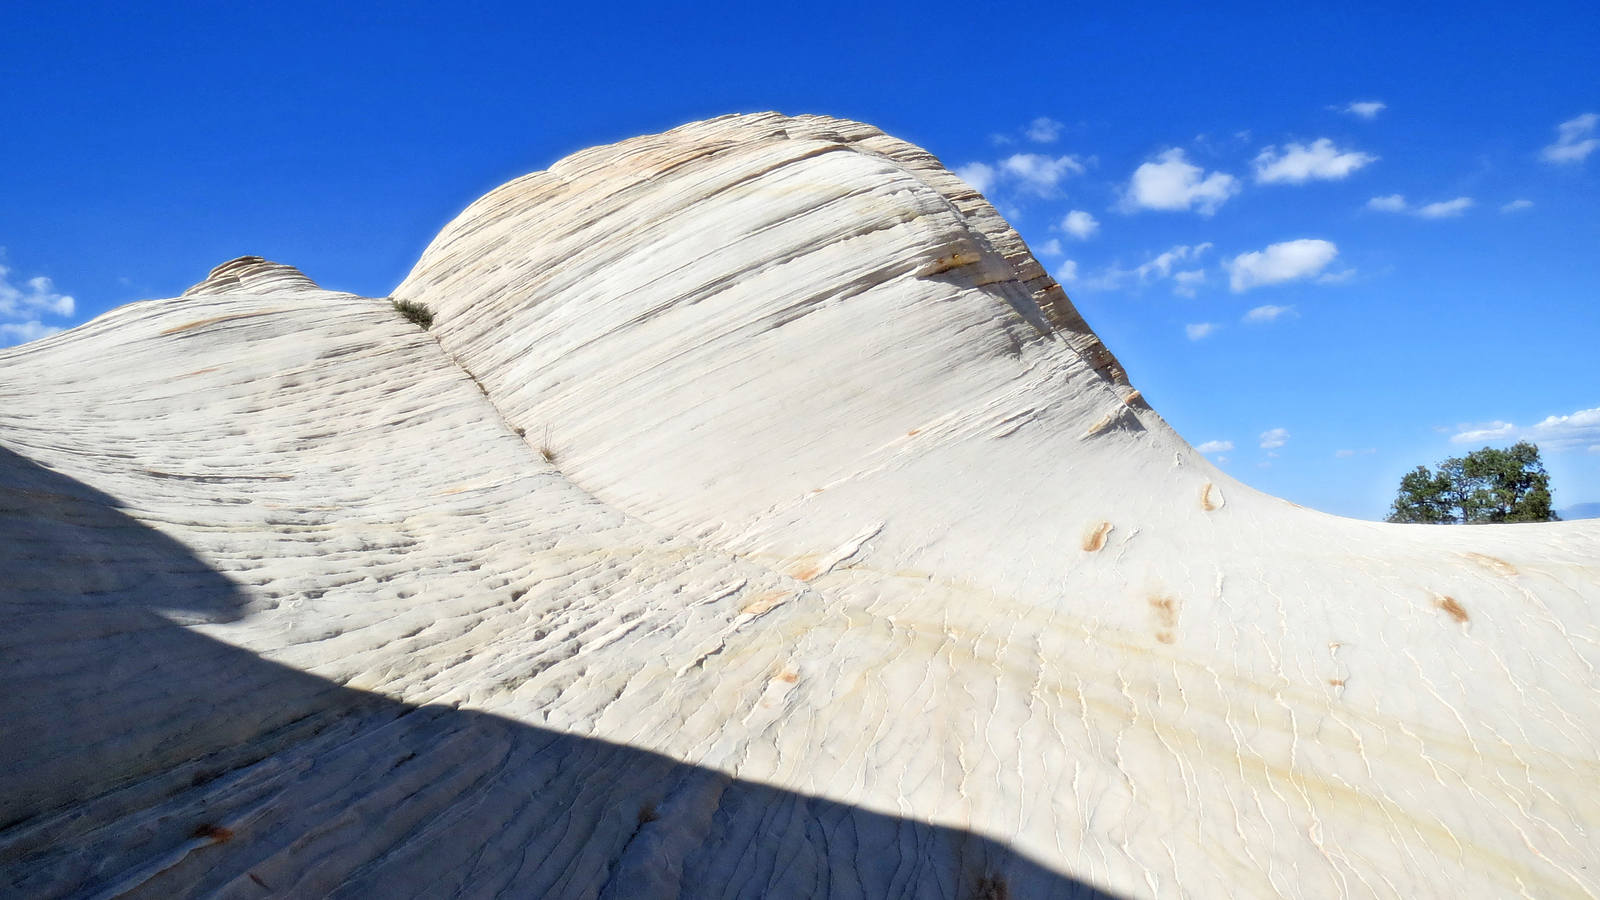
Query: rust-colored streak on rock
765	602
1165	607
1493	564
1105	421
1094	537
805	569
215	833
1210	498
1449	605
201	323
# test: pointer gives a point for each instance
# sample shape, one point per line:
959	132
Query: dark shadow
141	757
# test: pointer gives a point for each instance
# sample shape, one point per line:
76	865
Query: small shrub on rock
415	313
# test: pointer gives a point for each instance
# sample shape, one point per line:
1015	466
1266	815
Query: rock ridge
757	519
252	275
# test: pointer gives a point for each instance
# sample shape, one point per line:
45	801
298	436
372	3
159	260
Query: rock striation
757	519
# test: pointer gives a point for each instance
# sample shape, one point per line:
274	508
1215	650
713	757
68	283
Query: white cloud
1051	247
1267	313
1032	173
37	295
1554	433
1114	277
980	175
22	332
1184	283
1215	447
1493	431
1346	454
1516	205
1199	330
26	303
1044	130
1161	266
1445	209
1280	262
1274	438
1110	278
1038	173
1067	271
1299	163
1575	140
1174	183
1080	224
1366	109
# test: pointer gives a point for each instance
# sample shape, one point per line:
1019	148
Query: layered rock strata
757	519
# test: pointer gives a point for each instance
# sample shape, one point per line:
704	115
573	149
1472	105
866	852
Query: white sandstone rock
857	568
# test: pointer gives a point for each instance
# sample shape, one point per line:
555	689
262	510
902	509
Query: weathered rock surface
758	519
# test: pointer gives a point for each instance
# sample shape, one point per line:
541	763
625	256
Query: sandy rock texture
757	519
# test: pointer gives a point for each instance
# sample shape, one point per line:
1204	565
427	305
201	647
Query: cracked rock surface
757	519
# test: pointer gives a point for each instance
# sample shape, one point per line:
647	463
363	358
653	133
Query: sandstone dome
758	518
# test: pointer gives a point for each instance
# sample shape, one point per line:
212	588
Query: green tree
1486	485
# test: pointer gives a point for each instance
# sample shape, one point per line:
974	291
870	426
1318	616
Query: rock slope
757	519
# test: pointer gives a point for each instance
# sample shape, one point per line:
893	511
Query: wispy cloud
22	332
1346	454
1163	266
1554	433
1171	182
980	175
1080	224
1185	283
1037	173
1274	438
1199	330
1044	130
1516	205
1299	163
1269	313
1277	263
1051	247
24	306
1365	109
1215	447
36	295
1443	209
1067	272
1575	140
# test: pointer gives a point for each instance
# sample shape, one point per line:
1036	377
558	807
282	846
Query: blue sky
1346	239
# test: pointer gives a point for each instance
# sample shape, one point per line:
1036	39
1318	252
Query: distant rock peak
252	275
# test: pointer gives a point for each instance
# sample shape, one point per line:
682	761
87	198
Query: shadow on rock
143	758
